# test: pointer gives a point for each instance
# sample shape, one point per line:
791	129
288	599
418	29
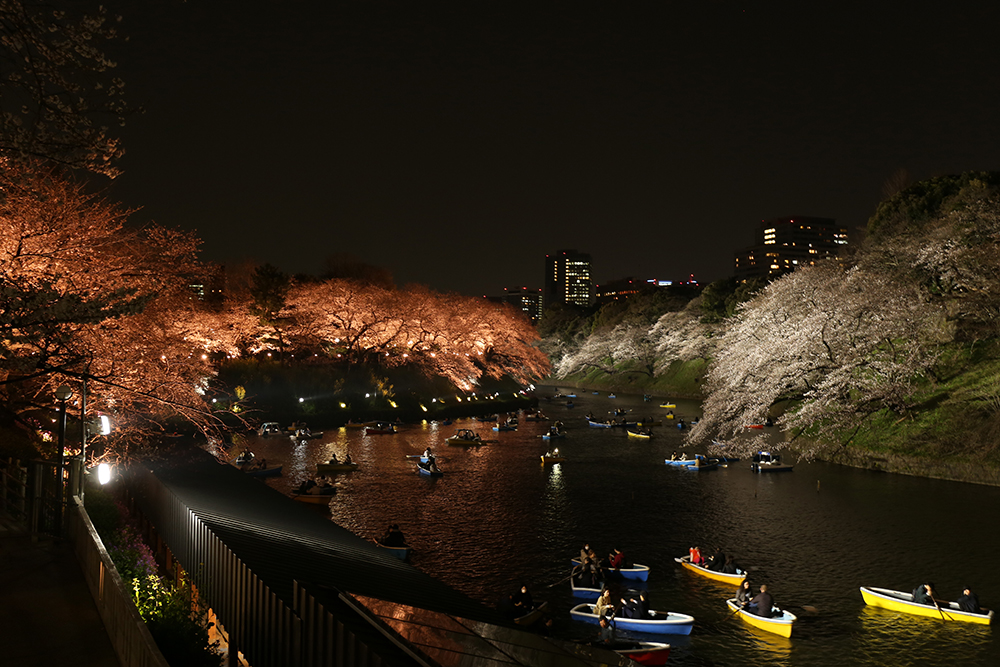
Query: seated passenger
969	601
729	567
333	460
744	594
347	459
762	603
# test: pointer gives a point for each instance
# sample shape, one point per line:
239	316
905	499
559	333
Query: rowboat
779	625
532	616
505	427
553	436
653	422
767	462
269	428
380	429
553	458
659	622
322	498
425	470
585	592
636	571
402	553
734	579
360	424
596	424
464	436
668	405
702	465
647	653
681	463
537	417
639	434
899	601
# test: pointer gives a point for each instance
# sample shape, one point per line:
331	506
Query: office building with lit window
568	278
784	244
525	299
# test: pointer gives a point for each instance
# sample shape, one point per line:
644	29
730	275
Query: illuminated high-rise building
567	278
784	244
527	300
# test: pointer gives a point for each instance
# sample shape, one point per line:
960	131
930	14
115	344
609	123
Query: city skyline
455	146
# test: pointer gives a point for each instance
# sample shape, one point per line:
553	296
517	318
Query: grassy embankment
952	433
682	380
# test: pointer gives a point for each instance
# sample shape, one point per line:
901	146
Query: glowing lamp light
423	408
343	405
104	473
368	395
302	400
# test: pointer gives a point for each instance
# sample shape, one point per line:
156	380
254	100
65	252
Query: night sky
456	144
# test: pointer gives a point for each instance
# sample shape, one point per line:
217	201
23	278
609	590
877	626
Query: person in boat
730	567
636	607
333	460
684	457
924	594
718	560
695	556
604	605
606	636
432	464
673	457
306	486
969	601
347	459
506	607
427	453
616	559
523	602
680	423
744	594
762	604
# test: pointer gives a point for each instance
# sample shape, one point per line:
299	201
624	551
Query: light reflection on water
499	518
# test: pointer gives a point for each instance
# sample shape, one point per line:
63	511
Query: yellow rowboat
734	579
780	624
655	422
639	435
899	601
668	405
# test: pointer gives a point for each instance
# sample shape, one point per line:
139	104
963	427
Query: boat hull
661	623
734	579
899	601
314	498
779	625
427	472
637	572
532	616
552	459
640	436
648	653
274	471
402	553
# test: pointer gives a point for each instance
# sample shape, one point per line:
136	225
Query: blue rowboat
658	623
636	571
584	592
683	463
425	470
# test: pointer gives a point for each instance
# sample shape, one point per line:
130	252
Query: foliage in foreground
170	611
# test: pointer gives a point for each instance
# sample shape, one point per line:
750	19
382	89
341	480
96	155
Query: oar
571	575
941	612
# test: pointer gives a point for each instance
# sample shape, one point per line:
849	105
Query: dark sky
456	144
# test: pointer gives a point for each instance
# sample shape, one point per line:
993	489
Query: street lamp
63	394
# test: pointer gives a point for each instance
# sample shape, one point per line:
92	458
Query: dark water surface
499	518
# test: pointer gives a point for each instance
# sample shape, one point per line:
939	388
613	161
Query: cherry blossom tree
838	343
57	93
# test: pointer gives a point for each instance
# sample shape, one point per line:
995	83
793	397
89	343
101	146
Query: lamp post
63	394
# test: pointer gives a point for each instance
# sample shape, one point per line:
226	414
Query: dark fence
269	632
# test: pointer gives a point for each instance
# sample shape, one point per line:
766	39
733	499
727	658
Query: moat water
499	518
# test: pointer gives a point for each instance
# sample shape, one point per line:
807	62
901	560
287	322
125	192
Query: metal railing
128	633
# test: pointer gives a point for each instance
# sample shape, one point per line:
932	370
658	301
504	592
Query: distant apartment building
527	300
568	278
784	244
